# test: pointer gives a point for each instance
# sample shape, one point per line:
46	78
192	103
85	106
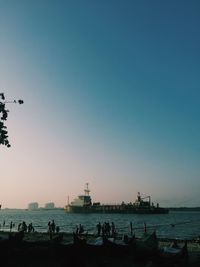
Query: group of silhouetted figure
106	229
28	228
79	229
22	227
11	225
52	227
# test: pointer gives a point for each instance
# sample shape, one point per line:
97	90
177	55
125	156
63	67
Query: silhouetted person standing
99	229
113	230
11	226
53	226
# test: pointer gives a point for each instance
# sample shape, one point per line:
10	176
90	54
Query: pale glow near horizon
111	98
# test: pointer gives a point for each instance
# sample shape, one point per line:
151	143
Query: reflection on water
175	224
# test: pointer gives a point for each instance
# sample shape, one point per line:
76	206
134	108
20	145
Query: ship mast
87	191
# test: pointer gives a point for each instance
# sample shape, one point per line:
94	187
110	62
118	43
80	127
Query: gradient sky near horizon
112	98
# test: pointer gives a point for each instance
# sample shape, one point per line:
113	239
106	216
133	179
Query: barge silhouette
83	204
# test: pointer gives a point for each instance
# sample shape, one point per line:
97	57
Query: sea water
176	224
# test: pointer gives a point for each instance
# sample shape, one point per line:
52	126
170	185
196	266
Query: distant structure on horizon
49	205
33	206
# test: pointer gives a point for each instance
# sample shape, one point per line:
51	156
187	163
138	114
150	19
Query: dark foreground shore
36	249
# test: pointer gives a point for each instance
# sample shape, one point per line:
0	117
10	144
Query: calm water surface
187	224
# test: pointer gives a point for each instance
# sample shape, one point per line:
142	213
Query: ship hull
115	210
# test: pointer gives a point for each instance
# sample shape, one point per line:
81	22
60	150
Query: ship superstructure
83	204
80	204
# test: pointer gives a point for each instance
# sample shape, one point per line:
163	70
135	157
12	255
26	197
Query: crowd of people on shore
102	229
106	229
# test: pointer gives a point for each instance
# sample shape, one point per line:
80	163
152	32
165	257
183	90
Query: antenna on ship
87	191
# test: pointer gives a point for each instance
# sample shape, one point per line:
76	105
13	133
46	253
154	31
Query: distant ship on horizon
83	204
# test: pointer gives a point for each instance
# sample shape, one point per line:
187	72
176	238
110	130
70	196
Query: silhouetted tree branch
3	118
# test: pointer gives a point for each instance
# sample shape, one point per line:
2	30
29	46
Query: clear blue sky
112	97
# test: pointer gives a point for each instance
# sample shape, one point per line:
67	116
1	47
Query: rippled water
187	224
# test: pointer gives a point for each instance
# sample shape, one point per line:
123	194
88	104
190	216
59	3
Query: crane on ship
140	199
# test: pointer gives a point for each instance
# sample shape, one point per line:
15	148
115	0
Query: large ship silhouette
83	204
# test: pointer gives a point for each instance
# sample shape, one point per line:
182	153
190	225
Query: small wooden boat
100	246
52	241
175	253
79	240
16	237
11	237
115	246
95	247
146	246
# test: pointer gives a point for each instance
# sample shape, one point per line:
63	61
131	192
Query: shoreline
45	235
65	254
